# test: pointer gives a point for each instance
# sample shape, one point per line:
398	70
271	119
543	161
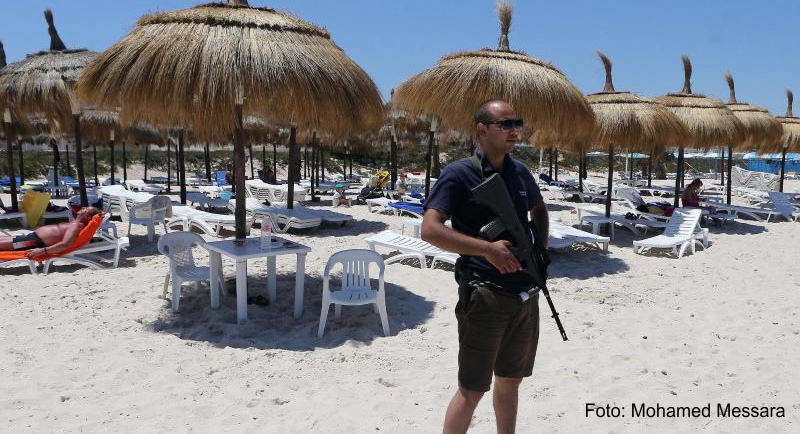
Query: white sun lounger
272	193
681	232
409	247
783	206
187	217
103	241
561	231
282	219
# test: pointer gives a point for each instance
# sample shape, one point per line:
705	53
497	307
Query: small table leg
241	291
272	279
299	281
215	263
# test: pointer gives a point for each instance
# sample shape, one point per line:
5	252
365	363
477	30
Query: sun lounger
561	231
9	215
409	247
272	193
783	206
141	186
281	219
187	217
103	241
681	233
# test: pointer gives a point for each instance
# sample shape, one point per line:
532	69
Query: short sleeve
447	191
533	193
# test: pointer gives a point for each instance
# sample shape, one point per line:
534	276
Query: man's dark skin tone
494	144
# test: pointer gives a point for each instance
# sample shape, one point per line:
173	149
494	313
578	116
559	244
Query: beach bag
668	211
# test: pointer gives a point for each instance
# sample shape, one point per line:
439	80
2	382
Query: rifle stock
492	193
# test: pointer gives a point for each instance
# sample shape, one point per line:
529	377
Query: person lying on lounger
49	239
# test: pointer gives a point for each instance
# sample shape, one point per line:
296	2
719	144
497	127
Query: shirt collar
488	169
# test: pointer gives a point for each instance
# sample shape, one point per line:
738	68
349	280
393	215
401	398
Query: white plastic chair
177	247
149	214
356	288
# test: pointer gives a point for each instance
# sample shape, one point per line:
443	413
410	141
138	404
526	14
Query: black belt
473	279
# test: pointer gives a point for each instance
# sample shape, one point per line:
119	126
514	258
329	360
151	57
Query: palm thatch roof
43	82
710	123
761	130
186	67
633	122
790	138
460	82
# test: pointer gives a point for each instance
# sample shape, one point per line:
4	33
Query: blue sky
393	40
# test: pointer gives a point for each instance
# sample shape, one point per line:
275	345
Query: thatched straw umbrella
630	121
711	124
43	83
208	66
459	83
760	128
790	139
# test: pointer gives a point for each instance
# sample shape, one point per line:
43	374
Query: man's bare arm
69	236
435	232
541	219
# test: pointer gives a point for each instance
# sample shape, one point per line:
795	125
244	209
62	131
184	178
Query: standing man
498	332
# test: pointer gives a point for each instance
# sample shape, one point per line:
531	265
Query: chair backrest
782	204
177	246
631	194
355	266
683	222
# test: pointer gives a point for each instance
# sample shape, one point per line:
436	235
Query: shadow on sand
273	327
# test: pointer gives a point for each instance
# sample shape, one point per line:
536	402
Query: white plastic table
596	220
249	250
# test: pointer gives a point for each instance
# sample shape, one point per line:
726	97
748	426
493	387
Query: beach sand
100	351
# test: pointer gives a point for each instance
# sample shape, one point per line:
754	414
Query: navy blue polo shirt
452	196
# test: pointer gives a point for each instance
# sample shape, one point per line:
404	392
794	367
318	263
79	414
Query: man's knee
472	397
507	383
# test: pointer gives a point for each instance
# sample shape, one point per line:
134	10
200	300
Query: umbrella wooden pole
21	163
94	166
240	212
630	175
56	159
252	169
111	149
550	163
207	155
66	152
351	165
292	156
580	171
169	169
393	160
730	170
181	161
678	176
10	160
313	185
316	163
322	161
275	159
783	167
264	161
305	161
146	160
722	167
650	169
124	163
555	163
610	179
428	161
79	161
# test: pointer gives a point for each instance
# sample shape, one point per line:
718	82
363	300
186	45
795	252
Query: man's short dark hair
484	112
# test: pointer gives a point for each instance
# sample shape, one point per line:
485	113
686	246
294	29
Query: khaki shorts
498	334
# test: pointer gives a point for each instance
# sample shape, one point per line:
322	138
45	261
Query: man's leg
460	410
6	243
505	398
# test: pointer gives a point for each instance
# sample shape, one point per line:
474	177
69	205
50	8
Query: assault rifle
492	193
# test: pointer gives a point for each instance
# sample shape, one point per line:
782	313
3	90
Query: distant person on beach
498	332
229	175
269	177
49	239
339	198
690	198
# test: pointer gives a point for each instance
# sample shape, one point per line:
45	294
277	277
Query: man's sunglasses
506	124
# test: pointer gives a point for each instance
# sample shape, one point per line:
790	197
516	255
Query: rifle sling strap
477	163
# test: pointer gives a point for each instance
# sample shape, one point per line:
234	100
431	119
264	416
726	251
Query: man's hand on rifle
501	258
